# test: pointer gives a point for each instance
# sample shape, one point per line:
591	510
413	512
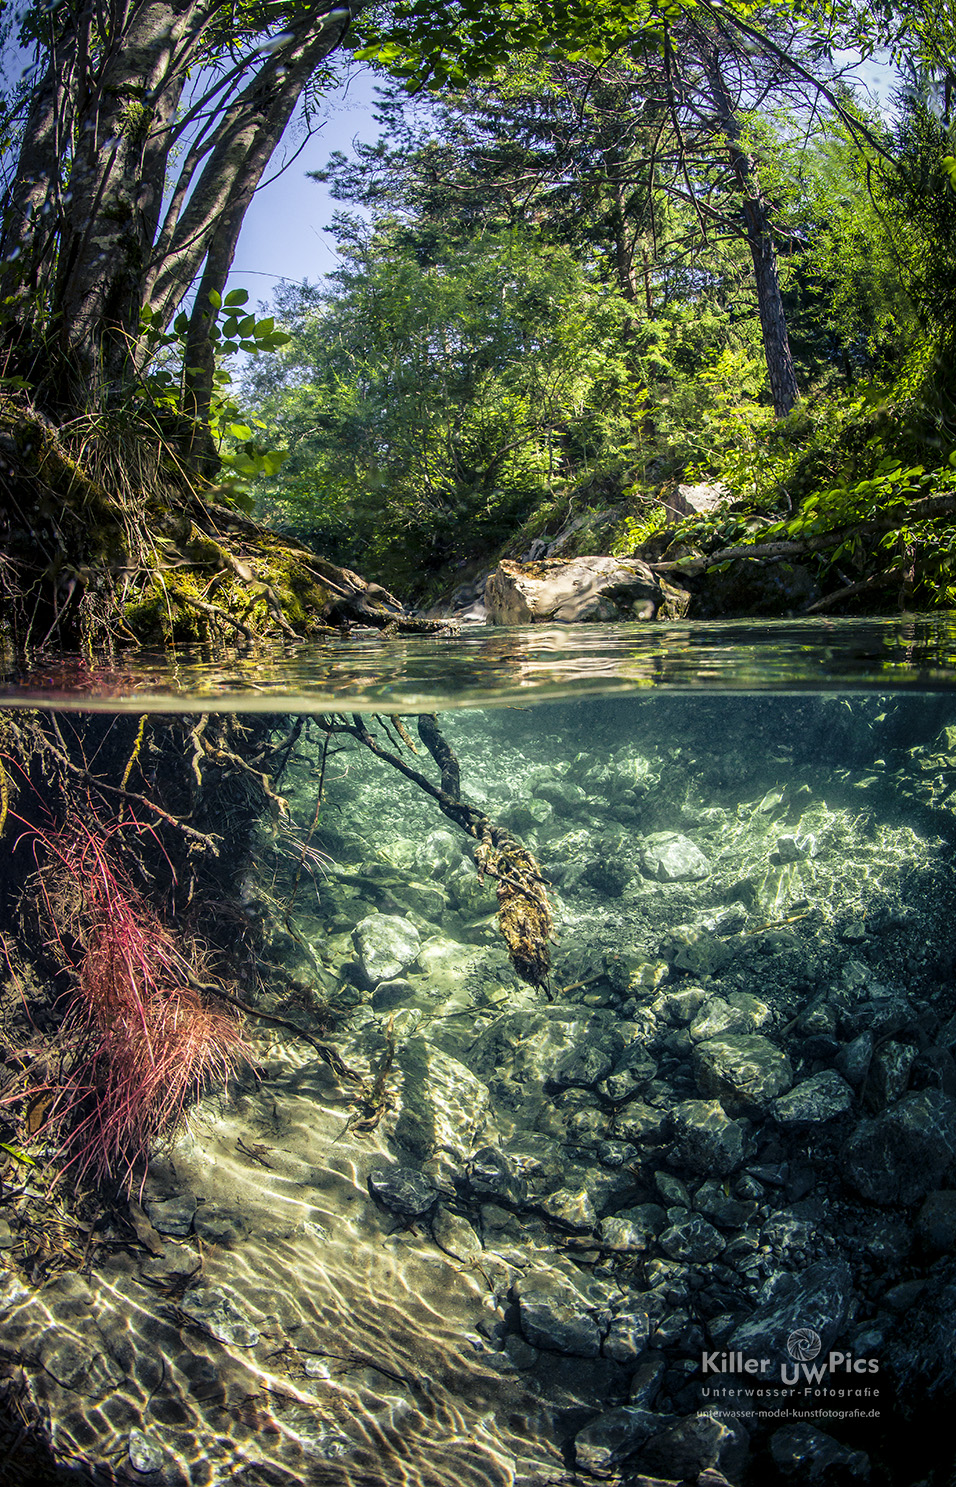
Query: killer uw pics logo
804	1346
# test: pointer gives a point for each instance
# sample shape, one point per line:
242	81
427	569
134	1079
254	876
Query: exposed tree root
524	913
102	560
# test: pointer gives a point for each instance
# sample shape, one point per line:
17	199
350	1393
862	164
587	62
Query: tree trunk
756	214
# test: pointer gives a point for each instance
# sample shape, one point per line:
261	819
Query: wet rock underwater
687	1215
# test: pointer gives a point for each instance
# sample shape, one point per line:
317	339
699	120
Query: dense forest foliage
596	252
573	277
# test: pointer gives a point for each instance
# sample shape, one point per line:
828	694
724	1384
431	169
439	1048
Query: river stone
444	1105
439	854
692	1240
818	1298
611	1437
386	945
699	952
644	1124
921	1353
936	1222
172	1215
403	1190
144	1454
627	1336
555	1316
455	1236
900	1156
811	1102
586	1064
564	796
571	1207
809	1454
696	1443
633	1229
706	1139
853	1060
672	858
571	591
744	1071
739	1013
218	1314
491	1173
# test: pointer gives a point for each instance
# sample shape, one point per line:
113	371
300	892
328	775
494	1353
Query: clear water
487	665
748	834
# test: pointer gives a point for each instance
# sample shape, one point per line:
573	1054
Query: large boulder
904	1154
572	590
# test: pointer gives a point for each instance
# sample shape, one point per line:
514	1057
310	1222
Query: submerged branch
524	913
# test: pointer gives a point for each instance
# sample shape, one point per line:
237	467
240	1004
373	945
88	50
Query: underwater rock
936	1222
218	1314
707	1140
672	858
644	1124
853	1060
889	1073
626	1337
611	1437
722	1209
818	1298
584	1065
172	1215
739	1013
573	1209
634	1228
455	1236
439	854
696	1443
900	1156
692	1240
792	847
444	1106
746	1072
805	1452
144	1454
402	1190
698	951
564	796
608	876
921	1352
491	1173
386	944
811	1102
555	1316
571	591
632	974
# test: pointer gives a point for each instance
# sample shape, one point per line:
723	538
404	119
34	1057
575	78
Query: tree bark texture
88	236
756	214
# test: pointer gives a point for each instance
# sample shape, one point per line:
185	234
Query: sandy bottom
352	1354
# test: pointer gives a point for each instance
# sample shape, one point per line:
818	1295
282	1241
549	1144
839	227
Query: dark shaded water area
687	1214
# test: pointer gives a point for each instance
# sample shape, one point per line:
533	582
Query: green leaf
235	297
17	1154
215	299
240	431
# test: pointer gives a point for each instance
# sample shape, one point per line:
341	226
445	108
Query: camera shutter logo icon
804	1344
